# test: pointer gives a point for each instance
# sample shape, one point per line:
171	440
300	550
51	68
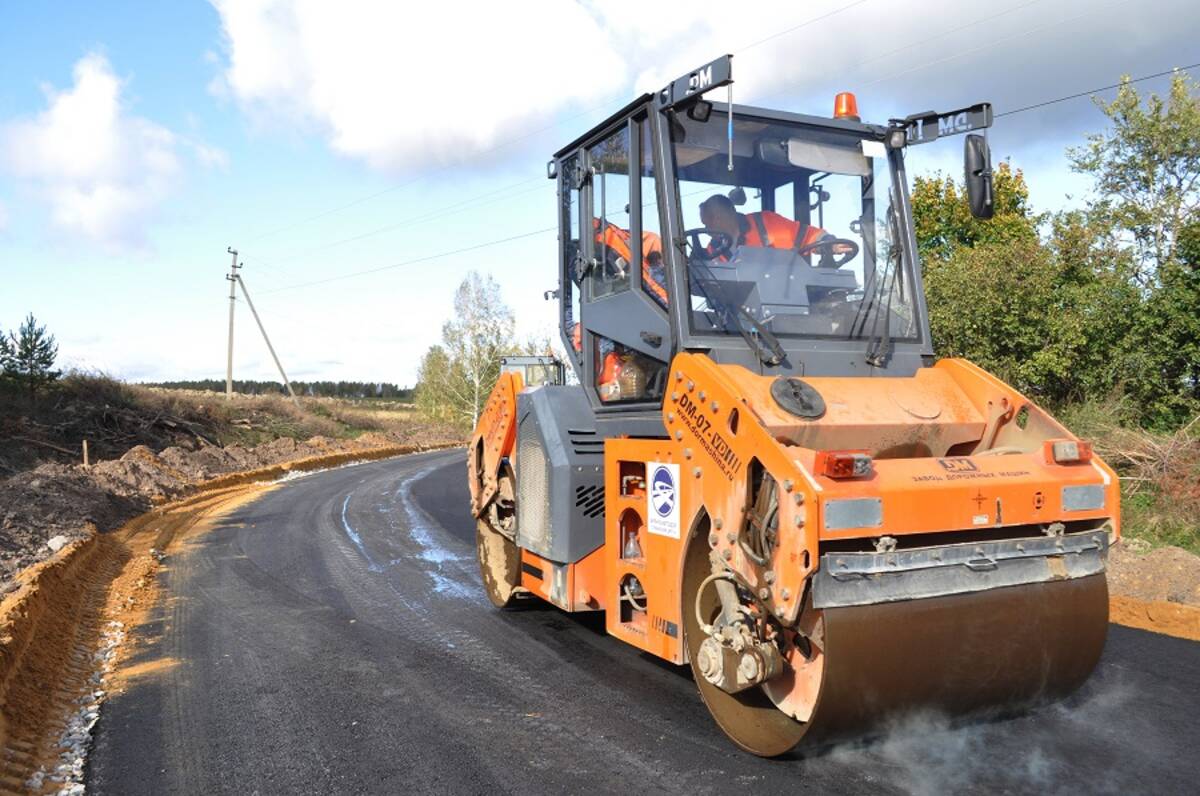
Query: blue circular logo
662	492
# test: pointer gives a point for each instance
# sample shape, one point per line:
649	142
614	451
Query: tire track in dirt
61	628
57	620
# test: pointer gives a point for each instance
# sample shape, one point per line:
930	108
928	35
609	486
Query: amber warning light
845	106
1068	451
843	464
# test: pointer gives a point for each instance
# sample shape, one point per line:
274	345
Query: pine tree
28	357
6	354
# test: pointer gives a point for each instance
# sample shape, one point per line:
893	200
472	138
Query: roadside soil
1155	589
64	620
52	505
1164	574
61	634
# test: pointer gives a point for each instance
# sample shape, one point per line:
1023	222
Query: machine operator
762	229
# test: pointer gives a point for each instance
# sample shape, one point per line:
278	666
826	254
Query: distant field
114	416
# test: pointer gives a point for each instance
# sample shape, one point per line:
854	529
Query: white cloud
210	157
101	170
400	88
396	87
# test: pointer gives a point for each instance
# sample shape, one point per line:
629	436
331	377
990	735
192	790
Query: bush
1160	472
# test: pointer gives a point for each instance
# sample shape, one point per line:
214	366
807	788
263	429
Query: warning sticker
662	499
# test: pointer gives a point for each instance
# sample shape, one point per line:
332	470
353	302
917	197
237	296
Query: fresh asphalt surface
333	637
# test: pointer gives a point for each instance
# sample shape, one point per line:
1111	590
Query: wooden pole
85	454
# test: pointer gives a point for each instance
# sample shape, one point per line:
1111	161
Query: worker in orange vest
622	374
619	375
619	240
764	228
606	383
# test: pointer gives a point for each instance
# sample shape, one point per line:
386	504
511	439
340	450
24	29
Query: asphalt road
333	637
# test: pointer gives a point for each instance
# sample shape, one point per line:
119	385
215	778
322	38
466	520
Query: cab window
624	375
571	253
654	272
613	259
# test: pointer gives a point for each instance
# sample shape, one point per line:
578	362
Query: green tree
457	377
944	224
1146	172
1146	168
6	352
1103	306
1051	317
433	379
1167	372
28	358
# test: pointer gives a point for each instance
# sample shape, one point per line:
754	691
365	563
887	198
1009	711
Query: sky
344	149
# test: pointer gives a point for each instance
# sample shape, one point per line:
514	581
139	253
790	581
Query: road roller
760	469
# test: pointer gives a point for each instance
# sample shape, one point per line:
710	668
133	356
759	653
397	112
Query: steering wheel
721	243
828	258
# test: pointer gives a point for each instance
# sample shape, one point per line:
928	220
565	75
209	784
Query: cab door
626	337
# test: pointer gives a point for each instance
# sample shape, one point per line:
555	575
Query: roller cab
763	472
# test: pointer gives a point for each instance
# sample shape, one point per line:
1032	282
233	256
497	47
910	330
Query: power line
457	207
424	259
1096	90
532	233
441	212
804	24
946	33
924	41
450	209
1057	24
509	142
427	175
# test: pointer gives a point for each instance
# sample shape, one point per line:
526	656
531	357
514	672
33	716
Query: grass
1160	472
114	416
253	419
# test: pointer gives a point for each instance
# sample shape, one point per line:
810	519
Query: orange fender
494	440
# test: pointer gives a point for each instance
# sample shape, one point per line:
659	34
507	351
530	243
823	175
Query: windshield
797	239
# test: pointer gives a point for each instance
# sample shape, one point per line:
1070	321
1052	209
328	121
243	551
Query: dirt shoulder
1155	589
44	509
1164	574
64	620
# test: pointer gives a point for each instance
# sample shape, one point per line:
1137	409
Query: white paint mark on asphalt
432	551
354	537
294	475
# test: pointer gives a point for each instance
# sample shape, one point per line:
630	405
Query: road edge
1170	619
60	613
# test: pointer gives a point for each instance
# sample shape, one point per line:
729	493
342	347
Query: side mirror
700	111
977	163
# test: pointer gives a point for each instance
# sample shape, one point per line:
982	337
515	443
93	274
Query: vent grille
589	499
585	442
533	492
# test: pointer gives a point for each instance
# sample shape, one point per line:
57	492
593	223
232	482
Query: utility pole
233	279
263	329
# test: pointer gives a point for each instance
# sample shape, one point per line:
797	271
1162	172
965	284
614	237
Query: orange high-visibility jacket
768	229
606	382
618	240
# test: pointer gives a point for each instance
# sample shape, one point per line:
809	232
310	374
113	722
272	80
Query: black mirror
700	111
977	162
738	196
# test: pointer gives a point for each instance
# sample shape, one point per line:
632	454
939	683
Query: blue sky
138	140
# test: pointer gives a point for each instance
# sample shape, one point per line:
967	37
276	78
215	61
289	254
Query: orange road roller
760	469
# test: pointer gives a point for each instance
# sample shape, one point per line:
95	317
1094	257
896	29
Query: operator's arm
816	235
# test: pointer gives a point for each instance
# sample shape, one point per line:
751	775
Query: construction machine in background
764	472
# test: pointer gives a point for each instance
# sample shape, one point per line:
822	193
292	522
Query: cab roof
846	125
